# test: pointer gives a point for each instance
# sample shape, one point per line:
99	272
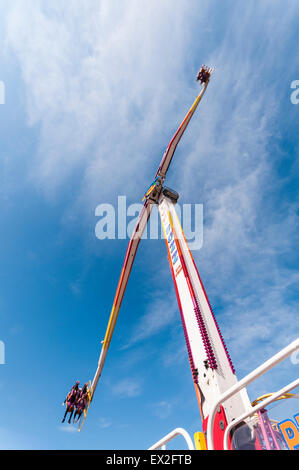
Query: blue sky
94	93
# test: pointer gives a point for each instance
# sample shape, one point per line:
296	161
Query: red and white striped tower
211	366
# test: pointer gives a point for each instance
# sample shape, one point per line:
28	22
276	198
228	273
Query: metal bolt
221	424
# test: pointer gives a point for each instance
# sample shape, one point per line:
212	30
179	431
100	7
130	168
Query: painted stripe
189	351
199	317
208	302
167	157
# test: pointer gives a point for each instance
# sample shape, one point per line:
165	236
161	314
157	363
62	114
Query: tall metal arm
169	152
122	284
137	234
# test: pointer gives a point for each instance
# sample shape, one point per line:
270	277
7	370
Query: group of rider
204	74
76	401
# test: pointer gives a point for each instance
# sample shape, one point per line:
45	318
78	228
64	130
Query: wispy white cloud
76	288
160	314
127	388
162	409
91	91
68	429
175	353
104	423
100	102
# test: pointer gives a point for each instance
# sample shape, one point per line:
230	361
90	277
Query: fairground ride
229	419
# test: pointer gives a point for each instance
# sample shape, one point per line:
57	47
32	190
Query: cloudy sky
94	91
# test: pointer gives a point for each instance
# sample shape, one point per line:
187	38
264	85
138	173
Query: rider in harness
81	403
71	401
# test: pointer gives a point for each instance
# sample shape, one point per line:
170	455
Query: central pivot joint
170	194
